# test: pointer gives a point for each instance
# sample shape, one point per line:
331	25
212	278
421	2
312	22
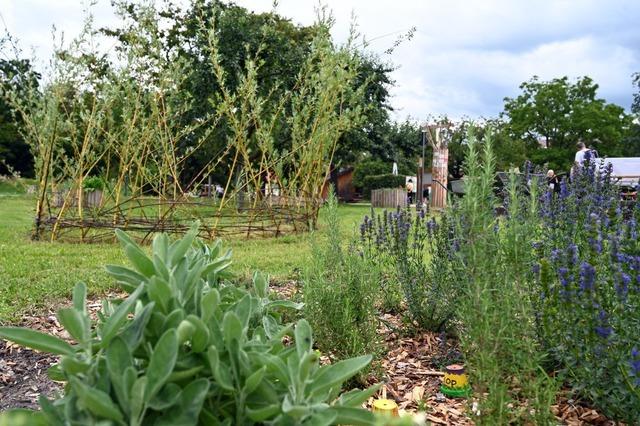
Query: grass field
37	275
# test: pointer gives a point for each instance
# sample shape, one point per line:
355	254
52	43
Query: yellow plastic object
385	406
455	377
455	383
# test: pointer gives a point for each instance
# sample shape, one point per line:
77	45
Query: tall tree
556	114
559	113
635	105
279	47
373	136
15	155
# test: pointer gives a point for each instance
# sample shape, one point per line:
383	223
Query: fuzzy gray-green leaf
36	340
163	359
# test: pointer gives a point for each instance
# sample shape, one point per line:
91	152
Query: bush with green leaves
93	183
468	270
370	183
497	306
368	167
189	347
340	293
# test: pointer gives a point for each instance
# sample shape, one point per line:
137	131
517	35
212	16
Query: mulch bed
23	377
23	372
412	368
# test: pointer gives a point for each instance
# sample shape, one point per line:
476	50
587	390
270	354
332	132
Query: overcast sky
465	57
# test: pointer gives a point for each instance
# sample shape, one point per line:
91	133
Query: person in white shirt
579	159
410	191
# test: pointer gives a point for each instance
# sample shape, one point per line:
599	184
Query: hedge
370	183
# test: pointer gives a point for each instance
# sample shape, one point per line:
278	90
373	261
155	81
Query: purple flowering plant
589	277
416	249
553	281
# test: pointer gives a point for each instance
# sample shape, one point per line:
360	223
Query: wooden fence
389	197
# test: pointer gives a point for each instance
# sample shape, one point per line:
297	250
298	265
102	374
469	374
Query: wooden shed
345	190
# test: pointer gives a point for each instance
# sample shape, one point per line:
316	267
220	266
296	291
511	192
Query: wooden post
440	166
420	184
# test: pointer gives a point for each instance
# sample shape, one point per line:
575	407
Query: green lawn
37	275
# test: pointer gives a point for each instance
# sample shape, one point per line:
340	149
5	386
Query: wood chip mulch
413	370
413	367
23	372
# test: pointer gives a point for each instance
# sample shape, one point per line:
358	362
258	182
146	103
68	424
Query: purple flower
573	253
535	268
633	233
562	274
431	226
604	332
587	276
564	191
603	329
634	366
596	244
622	288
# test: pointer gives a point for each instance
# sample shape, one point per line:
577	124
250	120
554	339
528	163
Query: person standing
580	157
410	191
580	154
553	181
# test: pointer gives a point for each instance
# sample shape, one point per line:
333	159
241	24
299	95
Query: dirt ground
23	377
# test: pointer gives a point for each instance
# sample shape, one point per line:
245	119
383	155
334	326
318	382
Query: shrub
590	291
497	308
419	250
187	347
93	183
368	167
340	290
469	271
370	183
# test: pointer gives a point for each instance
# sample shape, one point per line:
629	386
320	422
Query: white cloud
466	56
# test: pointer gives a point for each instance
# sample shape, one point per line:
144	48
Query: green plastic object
455	393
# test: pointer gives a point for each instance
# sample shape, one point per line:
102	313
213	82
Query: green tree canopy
559	113
15	155
280	49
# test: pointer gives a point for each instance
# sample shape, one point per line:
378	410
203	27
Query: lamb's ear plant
186	347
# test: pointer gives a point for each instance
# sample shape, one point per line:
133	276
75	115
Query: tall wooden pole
440	166
420	187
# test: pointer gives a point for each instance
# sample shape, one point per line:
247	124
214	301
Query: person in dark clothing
553	181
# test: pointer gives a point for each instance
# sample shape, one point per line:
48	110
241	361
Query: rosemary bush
340	291
496	310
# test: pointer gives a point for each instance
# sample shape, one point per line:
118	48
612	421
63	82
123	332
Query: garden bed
411	370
